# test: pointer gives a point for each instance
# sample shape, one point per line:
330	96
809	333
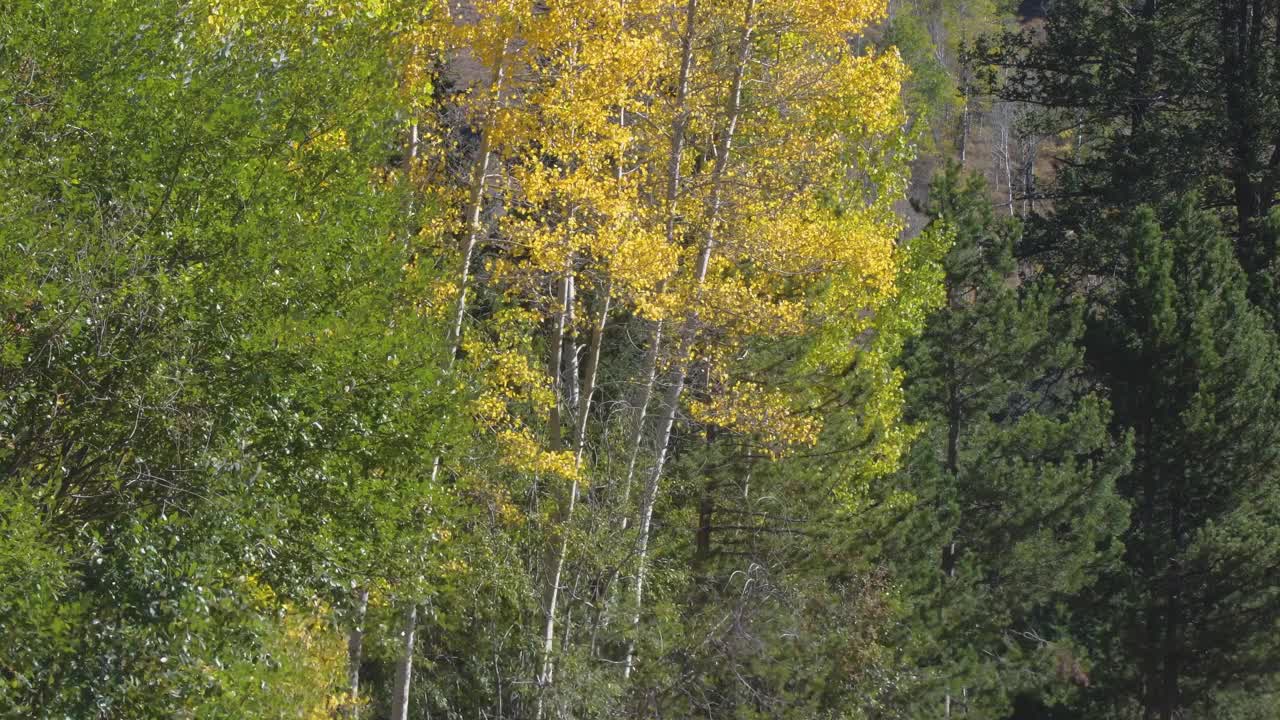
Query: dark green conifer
1013	477
1191	617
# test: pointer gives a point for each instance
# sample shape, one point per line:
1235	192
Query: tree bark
642	409
556	555
475	205
679	125
404	666
474	213
689	330
355	653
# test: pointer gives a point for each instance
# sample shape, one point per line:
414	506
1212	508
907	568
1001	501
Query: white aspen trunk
571	370
411	152
475	208
404	666
589	379
581	400
1008	169
355	653
646	511
497	682
689	330
642	410
555	432
566	635
679	125
556	554
547	671
475	205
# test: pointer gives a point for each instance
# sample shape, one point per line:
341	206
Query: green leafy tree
215	341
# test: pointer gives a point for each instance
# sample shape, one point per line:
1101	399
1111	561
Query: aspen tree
570	223
490	45
672	399
576	213
715	296
679	126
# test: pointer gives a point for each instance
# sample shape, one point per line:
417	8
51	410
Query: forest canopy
604	359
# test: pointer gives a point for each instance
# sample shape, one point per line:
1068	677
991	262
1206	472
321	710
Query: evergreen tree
1171	106
1013	478
1190	619
1155	99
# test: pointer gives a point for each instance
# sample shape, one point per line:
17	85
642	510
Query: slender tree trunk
689	331
642	409
404	666
547	670
1008	168
679	125
474	217
589	377
566	634
411	149
475	206
411	153
571	371
555	560
581	399
954	417
555	430
647	502
355	653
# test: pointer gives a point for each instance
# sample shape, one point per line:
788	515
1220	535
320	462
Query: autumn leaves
701	176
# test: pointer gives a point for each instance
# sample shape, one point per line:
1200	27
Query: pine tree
1156	99
1192	368
1013	506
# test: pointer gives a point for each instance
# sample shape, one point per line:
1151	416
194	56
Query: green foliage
1157	101
1192	369
216	342
1017	474
1165	220
933	37
36	615
931	94
1014	507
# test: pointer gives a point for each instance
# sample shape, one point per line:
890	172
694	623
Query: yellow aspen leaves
522	452
753	409
787	166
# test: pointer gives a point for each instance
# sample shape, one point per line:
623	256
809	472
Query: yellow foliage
306	668
754	409
577	103
524	454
